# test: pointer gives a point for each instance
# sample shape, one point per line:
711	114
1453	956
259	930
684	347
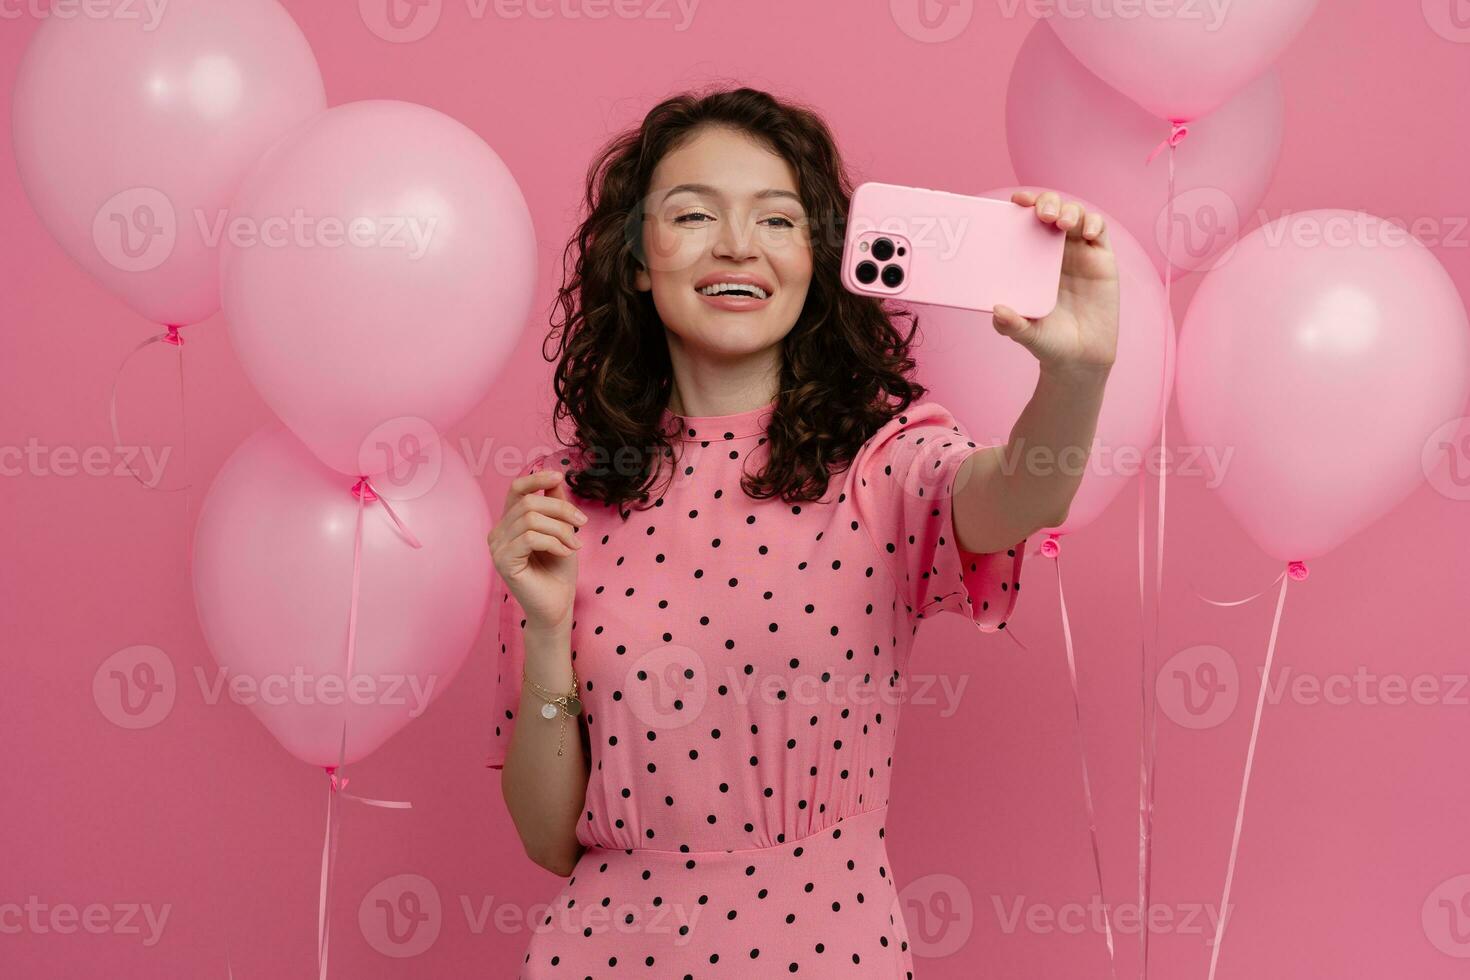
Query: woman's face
723	209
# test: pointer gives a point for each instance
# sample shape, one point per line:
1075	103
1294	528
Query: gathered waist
864	822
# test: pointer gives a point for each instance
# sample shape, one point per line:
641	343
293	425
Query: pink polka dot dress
742	664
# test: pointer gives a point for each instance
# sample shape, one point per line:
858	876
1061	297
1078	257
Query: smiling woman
718	584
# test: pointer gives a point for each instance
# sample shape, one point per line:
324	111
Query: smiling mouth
740	289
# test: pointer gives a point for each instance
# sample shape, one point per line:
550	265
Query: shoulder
922	422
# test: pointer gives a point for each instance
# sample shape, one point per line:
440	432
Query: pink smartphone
942	249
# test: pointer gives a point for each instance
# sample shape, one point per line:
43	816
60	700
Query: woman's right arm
534	547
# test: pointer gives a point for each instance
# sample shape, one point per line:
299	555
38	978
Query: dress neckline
709	428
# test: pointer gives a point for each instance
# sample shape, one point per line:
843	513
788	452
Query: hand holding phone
942	249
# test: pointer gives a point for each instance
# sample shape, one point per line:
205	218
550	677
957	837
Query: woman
711	597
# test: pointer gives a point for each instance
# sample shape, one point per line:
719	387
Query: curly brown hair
845	365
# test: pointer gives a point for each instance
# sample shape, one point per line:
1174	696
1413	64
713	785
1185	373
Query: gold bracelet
568	705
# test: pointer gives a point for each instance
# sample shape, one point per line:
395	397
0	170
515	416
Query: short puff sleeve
902	481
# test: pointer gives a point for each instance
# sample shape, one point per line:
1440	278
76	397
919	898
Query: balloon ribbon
337	784
1051	547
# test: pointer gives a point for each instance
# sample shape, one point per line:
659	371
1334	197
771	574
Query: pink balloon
1321	352
1222	169
1180	60
272	572
131	136
985	379
384	268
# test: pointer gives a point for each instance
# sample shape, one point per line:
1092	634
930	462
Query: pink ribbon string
169	336
1052	549
337	784
1298	571
1148	754
1176	136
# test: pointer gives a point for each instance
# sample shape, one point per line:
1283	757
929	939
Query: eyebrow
706	189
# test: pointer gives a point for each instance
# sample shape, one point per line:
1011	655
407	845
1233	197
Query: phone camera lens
892	276
866	272
882	250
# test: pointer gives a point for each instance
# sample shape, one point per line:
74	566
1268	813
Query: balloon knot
1297	570
1051	547
363	490
338	783
173	335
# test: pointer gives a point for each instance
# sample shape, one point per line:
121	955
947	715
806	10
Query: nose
736	240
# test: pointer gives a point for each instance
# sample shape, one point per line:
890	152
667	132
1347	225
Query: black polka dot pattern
742	664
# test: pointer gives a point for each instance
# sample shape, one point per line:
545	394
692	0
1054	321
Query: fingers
530	483
1068	216
531	520
524	544
1009	323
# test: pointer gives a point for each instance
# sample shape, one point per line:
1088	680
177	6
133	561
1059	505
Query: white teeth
720	288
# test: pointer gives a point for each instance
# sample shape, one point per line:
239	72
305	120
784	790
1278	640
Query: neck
702	388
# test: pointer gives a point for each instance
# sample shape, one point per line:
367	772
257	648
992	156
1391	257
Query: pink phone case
971	253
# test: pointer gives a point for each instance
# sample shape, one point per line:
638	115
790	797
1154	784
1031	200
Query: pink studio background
1357	812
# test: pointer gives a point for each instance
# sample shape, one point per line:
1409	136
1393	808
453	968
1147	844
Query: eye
683	218
785	222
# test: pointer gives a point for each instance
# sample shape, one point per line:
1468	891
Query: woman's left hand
1081	333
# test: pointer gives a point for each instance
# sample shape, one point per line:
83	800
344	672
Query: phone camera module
866	272
892	276
883	249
